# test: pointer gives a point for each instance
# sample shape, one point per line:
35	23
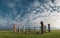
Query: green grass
10	34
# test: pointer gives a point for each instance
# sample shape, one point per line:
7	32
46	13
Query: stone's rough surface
42	27
48	27
14	28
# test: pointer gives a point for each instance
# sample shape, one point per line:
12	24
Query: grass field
10	34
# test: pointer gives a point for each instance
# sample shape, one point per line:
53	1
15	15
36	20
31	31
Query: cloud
30	15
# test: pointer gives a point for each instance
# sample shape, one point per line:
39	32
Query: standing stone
14	28
48	27
42	27
34	28
23	28
29	29
18	29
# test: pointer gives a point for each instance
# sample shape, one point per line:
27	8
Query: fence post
42	29
14	28
48	27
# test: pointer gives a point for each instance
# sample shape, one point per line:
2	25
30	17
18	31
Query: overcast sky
29	13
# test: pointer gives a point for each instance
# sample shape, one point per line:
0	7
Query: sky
29	13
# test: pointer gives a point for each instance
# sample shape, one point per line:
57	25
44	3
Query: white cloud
49	17
57	2
46	16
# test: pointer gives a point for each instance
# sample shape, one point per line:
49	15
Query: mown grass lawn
10	34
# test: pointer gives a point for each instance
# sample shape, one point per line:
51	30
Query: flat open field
10	34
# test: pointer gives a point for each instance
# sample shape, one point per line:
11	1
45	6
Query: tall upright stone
42	27
23	28
29	29
34	28
18	29
14	28
48	27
